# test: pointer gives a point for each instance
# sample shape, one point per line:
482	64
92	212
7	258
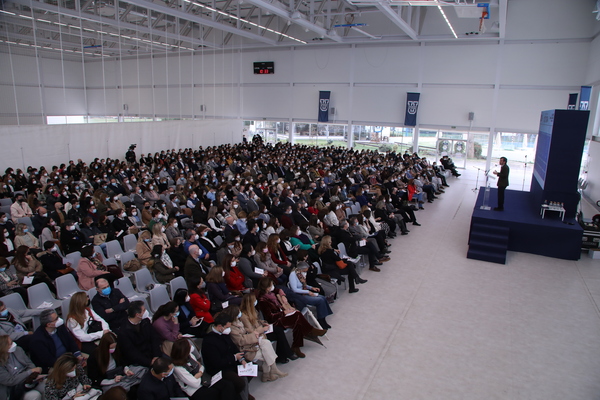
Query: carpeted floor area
436	325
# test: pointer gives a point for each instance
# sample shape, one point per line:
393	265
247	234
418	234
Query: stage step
488	243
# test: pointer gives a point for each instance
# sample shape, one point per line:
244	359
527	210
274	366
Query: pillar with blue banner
412	106
324	106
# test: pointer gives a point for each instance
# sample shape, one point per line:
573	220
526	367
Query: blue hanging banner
584	97
572	101
324	106
412	106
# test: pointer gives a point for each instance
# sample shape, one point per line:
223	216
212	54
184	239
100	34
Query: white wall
54	144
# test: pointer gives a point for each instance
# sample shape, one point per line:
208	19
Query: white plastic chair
129	243
64	308
6	202
5	209
40	293
91	293
113	248
99	250
14	301
124	259
73	258
125	286
143	278
177	283
66	286
158	297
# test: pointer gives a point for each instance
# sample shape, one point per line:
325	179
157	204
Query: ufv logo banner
324	106
412	106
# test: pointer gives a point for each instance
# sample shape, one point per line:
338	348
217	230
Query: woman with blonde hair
84	324
19	377
68	381
335	266
159	238
25	238
143	248
254	344
251	323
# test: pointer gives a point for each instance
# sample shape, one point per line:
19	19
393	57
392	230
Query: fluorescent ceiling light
448	22
229	15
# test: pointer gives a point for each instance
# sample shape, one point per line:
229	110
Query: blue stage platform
528	232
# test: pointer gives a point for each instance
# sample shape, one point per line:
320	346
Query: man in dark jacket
502	182
160	384
137	339
221	354
51	340
110	304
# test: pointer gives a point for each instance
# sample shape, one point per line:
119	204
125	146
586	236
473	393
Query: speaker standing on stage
502	182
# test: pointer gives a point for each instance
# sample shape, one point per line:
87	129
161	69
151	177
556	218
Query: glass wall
320	134
271	131
519	149
383	138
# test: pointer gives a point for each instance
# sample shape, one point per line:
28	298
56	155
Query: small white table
559	209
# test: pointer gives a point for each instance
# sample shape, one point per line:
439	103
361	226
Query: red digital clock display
264	67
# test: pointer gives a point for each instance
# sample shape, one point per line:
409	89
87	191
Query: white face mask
59	322
146	314
271	288
255	303
175	224
223	273
187	299
72	374
239	316
227	331
233	263
303	274
12	347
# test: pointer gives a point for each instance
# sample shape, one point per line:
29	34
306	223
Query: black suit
502	184
138	343
218	353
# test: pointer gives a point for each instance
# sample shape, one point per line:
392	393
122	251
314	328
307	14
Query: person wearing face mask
158	236
162	266
277	310
240	223
69	381
252	236
71	239
189	371
166	324
206	239
39	220
134	216
11	324
235	280
7	248
247	265
20	208
263	260
158	218
110	304
25	238
311	295
254	344
9	282
18	374
172	229
27	265
278	254
159	383
199	300
85	325
217	289
137	339
90	266
106	368
121	224
52	263
189	323
51	340
144	247
221	354
7	224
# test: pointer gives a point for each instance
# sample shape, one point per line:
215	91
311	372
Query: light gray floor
436	325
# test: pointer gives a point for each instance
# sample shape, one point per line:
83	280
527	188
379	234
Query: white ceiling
117	28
